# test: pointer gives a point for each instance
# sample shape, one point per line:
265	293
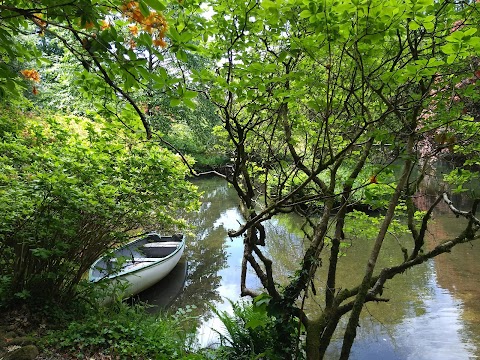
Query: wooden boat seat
162	244
146	259
159	249
138	259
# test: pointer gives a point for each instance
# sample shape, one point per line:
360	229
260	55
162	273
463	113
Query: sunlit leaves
305	49
460	43
80	185
156	4
109	39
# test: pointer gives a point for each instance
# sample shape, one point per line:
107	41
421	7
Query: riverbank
118	332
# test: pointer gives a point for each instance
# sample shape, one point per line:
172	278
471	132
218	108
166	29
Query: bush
70	189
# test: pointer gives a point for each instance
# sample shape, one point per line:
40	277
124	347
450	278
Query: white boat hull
148	276
139	273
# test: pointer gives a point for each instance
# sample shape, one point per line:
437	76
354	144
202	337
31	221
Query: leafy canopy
112	40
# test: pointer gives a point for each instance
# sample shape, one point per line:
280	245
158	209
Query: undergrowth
125	332
249	333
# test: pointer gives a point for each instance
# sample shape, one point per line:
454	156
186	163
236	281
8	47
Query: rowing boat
140	263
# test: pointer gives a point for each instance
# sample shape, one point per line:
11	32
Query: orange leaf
160	42
31	74
133	29
105	25
89	25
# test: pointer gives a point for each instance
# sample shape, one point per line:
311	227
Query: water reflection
433	313
207	250
457	272
161	295
214	259
434	333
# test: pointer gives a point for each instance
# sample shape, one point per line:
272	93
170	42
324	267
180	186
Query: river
433	314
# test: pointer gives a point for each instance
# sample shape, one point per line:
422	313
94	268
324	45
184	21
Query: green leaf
44	60
450	48
262	299
270	67
189	94
429	26
470	32
282	56
305	14
144	72
456	36
435	62
314	105
181	55
144	8
163	73
413	25
451	59
191	47
267	4
155	4
429	18
253	323
186	36
174	34
191	104
175	102
145	39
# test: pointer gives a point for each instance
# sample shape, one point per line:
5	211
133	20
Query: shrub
251	333
70	189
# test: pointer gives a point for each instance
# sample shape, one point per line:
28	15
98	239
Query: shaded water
434	311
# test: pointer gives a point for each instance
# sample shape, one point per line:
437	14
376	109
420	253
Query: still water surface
433	314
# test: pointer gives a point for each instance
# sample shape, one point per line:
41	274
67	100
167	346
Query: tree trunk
313	330
351	330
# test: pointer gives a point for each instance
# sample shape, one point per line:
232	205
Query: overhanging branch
467	214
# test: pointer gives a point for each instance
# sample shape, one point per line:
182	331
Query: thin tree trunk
351	330
313	330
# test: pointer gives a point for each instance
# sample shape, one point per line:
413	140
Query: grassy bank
115	332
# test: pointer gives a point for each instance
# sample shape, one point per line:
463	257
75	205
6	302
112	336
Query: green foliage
378	195
303	59
249	333
360	225
70	189
321	103
463	180
302	88
57	91
167	104
111	41
189	130
126	333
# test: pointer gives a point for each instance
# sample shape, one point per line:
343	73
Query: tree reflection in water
421	311
206	251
